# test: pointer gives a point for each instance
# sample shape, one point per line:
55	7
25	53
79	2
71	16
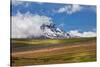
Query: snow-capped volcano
51	31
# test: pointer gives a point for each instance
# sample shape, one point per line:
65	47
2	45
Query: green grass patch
72	55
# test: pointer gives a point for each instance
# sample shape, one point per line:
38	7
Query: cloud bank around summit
24	25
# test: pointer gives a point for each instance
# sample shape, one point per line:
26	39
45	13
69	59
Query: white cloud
24	25
25	3
83	34
89	34
16	2
20	2
75	33
69	9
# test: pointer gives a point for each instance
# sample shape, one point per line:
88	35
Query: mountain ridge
52	32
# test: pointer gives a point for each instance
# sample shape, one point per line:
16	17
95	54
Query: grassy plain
52	51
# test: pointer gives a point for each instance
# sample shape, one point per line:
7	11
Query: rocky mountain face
53	32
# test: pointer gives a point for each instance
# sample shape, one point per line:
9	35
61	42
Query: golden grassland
52	51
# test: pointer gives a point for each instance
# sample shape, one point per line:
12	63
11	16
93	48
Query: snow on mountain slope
51	31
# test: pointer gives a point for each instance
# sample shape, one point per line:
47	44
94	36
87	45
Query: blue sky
66	16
